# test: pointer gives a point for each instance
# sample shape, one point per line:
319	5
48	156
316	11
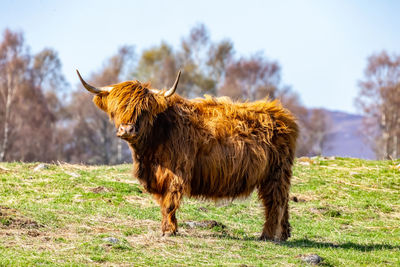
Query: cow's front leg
170	201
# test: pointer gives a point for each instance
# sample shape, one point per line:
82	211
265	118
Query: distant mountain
344	138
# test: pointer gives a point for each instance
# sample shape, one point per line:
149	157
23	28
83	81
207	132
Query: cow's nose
125	130
129	129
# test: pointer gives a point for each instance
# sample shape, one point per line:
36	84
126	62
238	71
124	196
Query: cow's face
131	105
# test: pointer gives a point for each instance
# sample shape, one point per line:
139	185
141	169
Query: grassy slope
348	212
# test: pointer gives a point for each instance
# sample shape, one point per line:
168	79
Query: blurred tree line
41	121
379	100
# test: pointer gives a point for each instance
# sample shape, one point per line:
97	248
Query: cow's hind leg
274	194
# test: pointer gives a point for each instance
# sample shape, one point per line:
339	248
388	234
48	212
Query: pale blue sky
322	46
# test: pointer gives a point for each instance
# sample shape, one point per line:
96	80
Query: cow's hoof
165	228
265	238
168	234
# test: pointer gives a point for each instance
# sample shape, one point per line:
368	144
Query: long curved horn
92	89
172	90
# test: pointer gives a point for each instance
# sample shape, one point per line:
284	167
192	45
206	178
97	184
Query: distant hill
345	139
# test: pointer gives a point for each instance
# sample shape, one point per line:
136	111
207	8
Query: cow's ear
156	102
100	100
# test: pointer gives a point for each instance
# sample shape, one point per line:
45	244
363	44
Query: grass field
345	210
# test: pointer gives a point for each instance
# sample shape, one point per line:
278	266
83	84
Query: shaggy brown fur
210	148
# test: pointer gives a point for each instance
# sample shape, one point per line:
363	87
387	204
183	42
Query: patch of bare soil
99	189
4	169
296	199
302	198
143	201
204	224
10	218
305	161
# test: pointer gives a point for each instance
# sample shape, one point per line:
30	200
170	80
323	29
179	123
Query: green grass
347	212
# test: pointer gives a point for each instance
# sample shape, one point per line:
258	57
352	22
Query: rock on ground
313	259
40	167
112	240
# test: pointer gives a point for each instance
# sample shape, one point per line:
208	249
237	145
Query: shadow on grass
306	243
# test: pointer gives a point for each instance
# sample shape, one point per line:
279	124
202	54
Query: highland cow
210	148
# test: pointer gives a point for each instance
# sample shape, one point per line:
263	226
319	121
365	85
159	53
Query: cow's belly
231	170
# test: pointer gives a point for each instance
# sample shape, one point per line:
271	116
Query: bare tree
203	63
251	79
379	100
27	128
194	58
47	73
13	63
158	65
220	55
319	125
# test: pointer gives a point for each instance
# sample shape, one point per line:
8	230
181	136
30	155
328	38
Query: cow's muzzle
126	131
